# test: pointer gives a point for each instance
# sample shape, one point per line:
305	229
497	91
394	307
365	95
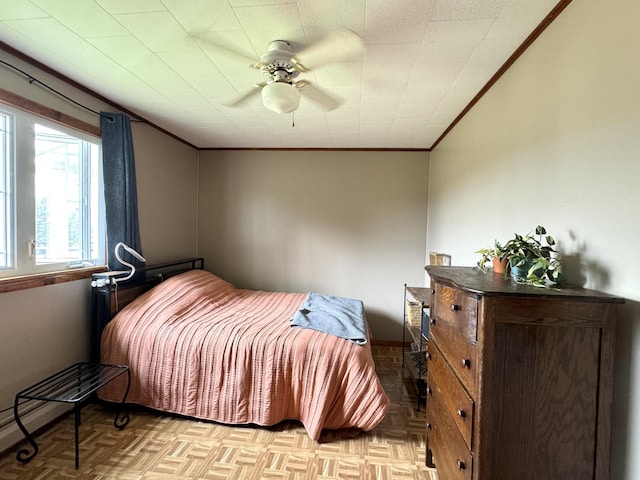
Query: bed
200	347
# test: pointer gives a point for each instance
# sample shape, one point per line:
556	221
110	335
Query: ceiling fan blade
317	95
246	96
337	46
223	47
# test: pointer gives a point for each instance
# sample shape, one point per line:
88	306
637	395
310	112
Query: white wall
45	329
556	142
344	223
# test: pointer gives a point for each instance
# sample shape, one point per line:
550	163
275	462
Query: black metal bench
75	385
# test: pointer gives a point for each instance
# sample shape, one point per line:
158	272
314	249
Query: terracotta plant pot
499	265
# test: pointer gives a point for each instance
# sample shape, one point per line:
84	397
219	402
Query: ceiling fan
282	65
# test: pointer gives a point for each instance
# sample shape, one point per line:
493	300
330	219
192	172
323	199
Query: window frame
58	119
6	187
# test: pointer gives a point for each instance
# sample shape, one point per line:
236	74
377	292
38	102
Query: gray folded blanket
339	316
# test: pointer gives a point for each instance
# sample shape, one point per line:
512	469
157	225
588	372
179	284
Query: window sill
50	278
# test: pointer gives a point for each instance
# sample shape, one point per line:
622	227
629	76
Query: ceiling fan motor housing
277	61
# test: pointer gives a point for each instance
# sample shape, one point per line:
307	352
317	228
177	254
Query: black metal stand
74	384
414	359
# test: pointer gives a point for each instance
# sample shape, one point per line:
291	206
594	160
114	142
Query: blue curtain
120	192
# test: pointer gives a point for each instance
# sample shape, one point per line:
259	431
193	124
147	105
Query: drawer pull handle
461	413
428	355
432	320
429	392
454	307
428	426
461	465
433	291
466	363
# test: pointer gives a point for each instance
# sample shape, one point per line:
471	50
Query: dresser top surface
474	280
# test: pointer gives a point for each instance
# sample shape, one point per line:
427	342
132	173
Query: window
51	187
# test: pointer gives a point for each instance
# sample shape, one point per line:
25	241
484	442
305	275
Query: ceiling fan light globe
280	97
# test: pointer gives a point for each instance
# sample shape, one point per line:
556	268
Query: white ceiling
424	60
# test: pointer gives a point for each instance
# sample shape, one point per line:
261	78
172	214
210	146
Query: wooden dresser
519	383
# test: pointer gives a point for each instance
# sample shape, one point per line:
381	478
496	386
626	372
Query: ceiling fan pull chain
293	119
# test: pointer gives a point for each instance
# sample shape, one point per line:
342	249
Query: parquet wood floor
161	447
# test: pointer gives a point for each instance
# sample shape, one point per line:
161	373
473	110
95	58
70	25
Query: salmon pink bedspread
200	347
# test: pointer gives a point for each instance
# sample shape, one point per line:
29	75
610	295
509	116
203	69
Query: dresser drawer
458	308
454	325
451	456
455	399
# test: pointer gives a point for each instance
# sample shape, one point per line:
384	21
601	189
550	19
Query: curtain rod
31	79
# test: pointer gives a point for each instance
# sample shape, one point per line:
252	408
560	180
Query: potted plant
496	254
530	259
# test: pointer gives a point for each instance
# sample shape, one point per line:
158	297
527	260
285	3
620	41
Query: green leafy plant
489	253
531	260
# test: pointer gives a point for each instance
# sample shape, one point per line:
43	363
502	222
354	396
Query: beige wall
167	172
45	329
344	223
556	142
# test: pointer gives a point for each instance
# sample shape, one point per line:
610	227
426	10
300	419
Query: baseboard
11	435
